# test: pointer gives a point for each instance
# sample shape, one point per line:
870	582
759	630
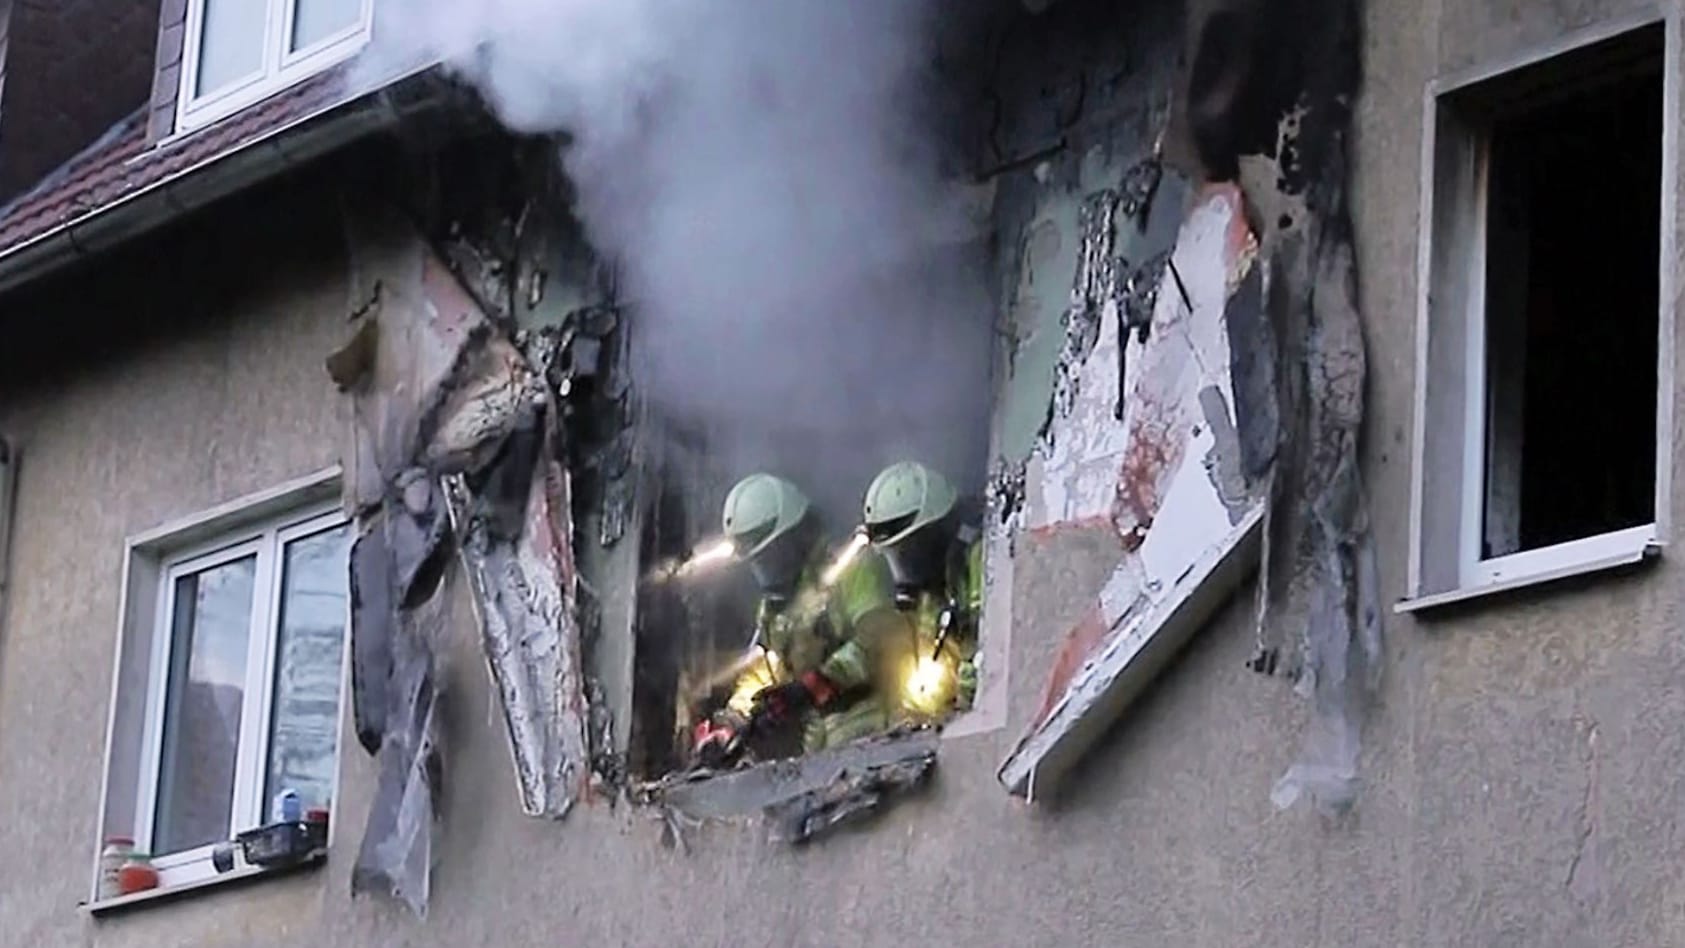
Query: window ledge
1637	550
243	874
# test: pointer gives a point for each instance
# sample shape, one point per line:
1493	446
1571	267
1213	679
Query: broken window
1539	400
239	51
227	699
797	634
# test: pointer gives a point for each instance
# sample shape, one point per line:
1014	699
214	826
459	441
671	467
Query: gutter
283	148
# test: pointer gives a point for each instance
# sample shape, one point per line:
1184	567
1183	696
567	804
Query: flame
834	572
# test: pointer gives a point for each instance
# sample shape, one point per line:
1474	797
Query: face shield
915	561
778	568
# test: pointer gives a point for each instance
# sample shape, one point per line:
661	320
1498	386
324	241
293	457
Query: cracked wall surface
1491	813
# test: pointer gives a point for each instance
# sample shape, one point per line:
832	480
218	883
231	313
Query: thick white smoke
764	172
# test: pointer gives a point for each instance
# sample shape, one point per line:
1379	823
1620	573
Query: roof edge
286	146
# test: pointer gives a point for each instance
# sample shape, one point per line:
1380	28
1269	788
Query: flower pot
136	875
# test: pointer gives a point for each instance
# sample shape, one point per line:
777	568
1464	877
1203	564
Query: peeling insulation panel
460	458
1207	445
1165	478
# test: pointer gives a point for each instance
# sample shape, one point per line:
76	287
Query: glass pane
316	20
231	42
304	730
207	676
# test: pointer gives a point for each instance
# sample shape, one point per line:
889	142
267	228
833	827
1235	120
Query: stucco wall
1523	768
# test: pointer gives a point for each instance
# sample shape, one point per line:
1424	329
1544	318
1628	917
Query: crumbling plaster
1491	814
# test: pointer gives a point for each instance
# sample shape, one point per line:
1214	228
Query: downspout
8	501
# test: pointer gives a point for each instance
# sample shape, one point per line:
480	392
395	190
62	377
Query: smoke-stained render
750	218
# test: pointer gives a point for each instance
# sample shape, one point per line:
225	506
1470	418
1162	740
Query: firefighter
819	621
934	552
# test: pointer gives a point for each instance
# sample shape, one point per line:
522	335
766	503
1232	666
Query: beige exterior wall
1523	769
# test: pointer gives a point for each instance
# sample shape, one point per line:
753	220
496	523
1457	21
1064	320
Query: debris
1094	286
618	497
525	586
396	855
1140	184
852	796
804	797
1004	494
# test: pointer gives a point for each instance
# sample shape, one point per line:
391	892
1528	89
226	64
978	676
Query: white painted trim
1129	660
246	809
1424	273
1553	560
157	687
1475	400
1615	558
281	68
1667	297
101	906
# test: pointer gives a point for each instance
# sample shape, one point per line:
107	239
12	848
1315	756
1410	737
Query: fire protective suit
822	625
936	561
828	639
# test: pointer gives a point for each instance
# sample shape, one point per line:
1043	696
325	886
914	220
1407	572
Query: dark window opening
1572	293
709	639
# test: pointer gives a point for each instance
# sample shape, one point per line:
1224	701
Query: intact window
247	677
240	51
229	679
1539	411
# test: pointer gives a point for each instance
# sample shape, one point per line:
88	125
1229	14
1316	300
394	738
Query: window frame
279	69
267	542
152	559
1450	424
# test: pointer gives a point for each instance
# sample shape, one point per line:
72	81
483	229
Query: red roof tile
121	163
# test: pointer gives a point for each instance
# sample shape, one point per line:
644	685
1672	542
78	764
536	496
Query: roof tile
120	163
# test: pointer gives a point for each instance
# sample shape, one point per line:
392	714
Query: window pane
316	20
209	634
231	43
305	727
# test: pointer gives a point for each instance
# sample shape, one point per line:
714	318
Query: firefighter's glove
718	742
776	704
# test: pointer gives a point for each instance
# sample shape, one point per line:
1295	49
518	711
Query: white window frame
266	540
281	67
1451	266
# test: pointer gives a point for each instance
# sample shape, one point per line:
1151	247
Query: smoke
767	176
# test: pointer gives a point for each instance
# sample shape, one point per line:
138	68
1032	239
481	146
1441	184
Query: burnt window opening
1572	281
702	653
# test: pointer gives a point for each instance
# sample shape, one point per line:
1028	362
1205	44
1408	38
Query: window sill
244	874
1638	549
